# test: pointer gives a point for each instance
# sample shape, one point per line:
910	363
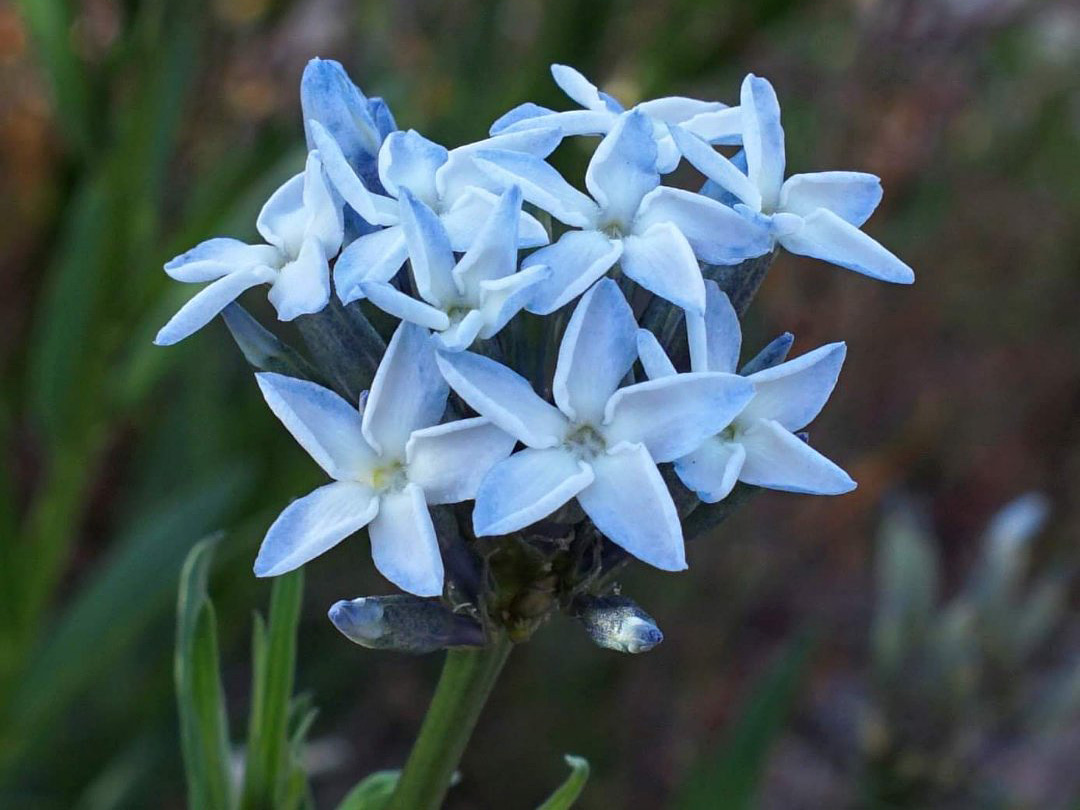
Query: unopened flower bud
404	624
617	623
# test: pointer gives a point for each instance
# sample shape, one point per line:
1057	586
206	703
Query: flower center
389	477
613	229
586	442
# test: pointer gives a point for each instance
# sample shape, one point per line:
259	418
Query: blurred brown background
959	393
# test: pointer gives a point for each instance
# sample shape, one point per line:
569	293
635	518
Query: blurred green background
130	130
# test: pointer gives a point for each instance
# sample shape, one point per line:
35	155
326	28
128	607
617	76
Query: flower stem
467	678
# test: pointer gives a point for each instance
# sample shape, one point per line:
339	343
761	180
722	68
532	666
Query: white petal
571	122
661	261
503	396
623	168
209	301
717	127
409	160
778	459
494	251
449	461
716	167
282	220
430	255
826	236
403	543
598	348
390	299
501	299
676	109
653	357
716	233
763	138
325	216
631	506
852	196
793	393
527	487
540	141
377	209
324	424
466	218
314	524
522	117
214	258
460	336
716	337
407	394
302	286
579	89
712	470
577	260
672	416
375	256
541	185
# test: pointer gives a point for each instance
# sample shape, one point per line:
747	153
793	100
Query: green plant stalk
467	678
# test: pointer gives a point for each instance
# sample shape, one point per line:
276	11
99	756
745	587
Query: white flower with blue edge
389	460
472	298
302	226
598	443
759	446
712	121
655	233
446	181
817	214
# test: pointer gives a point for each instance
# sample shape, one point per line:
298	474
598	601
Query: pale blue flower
818	214
655	233
448	182
389	460
759	446
710	120
601	444
472	298
302	226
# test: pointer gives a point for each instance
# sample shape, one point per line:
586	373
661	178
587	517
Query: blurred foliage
130	130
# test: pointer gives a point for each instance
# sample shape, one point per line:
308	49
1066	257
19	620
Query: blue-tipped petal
653	357
793	393
209	301
527	487
598	348
314	524
662	261
623	168
407	394
629	503
826	236
763	138
328	95
403	543
778	459
852	196
409	160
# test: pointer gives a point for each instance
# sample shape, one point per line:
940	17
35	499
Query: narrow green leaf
267	766
50	24
569	791
372	793
729	778
262	348
204	732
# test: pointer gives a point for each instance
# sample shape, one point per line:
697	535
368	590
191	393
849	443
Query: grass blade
569	791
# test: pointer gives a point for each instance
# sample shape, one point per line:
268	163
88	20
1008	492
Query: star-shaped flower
759	446
475	297
302	225
655	233
448	182
389	460
818	214
712	121
600	445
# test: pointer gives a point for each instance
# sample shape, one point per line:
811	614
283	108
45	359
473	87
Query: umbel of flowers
516	382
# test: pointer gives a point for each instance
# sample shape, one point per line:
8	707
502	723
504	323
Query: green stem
466	681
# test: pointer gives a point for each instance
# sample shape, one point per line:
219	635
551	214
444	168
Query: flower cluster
537	332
